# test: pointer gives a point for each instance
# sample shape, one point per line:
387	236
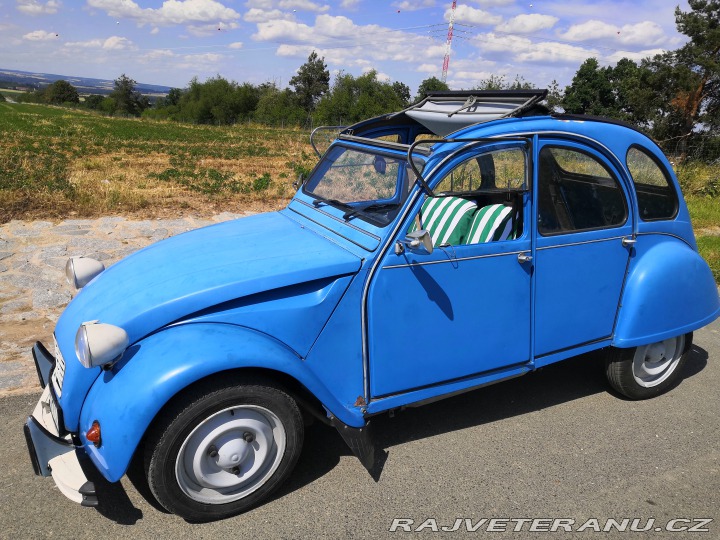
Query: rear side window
577	192
656	196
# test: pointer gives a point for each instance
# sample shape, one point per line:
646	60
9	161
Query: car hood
196	270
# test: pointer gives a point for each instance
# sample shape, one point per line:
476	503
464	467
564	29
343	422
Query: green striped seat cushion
490	224
446	219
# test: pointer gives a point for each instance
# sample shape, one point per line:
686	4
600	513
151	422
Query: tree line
674	96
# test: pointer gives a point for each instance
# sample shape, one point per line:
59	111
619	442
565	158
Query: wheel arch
669	291
156	379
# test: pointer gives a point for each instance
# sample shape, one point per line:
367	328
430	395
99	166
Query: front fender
127	398
669	291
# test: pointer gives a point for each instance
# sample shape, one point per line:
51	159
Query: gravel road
33	290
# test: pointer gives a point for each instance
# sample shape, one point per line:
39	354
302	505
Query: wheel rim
230	454
654	363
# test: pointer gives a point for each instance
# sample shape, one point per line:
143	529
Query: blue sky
169	42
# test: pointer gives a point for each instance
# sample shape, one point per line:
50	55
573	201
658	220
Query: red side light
93	434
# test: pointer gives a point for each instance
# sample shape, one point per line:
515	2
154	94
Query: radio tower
446	60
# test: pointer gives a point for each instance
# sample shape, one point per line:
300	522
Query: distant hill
84	85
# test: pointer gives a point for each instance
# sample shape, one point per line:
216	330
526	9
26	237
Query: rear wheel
218	451
649	370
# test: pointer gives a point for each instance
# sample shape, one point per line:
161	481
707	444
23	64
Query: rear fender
126	399
669	291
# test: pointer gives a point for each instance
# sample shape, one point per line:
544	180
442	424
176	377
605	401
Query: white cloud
644	33
343	42
521	49
467	14
349	4
527	23
171	12
553	52
155	30
429	68
155	56
207	62
494	3
256	15
117	43
636	56
236	45
34	7
40	35
302	5
204	30
413	5
113	43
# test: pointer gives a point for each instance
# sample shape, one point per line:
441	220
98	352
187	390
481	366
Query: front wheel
649	370
221	449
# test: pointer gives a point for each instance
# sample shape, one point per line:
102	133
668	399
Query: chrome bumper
51	453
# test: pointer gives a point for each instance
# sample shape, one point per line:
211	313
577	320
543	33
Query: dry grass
57	162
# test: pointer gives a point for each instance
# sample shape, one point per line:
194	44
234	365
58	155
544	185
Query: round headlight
97	344
82	349
79	271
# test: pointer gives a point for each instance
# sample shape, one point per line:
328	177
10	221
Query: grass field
57	162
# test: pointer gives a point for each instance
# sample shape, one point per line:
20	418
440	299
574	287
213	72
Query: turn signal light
93	434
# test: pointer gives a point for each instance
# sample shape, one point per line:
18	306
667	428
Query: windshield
368	185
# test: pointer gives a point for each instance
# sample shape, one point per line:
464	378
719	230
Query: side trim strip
583	243
390	267
606	338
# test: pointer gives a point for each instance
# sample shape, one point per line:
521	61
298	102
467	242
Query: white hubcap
654	363
230	454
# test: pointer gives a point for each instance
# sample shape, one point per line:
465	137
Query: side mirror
300	181
418	242
380	164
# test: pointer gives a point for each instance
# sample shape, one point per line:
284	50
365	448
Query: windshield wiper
333	202
356	210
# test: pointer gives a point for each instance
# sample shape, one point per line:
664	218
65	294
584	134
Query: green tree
217	101
353	99
128	101
498	82
93	101
2	98
61	92
277	107
554	97
689	77
311	81
429	85
402	91
591	91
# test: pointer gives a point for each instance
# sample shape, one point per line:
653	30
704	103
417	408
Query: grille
58	374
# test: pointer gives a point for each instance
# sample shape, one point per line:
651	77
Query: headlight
80	270
97	344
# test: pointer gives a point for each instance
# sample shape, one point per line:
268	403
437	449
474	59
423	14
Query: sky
169	42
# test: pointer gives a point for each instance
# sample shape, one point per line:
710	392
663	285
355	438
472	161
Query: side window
501	169
480	200
656	196
577	192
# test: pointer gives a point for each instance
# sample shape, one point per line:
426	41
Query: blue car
467	240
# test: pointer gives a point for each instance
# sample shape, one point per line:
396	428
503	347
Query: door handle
524	258
629	241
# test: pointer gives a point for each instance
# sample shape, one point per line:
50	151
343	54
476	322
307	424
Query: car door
464	309
581	257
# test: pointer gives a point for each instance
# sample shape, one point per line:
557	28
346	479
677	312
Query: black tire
225	414
648	371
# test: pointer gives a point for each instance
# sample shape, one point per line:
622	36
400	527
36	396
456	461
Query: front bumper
51	452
